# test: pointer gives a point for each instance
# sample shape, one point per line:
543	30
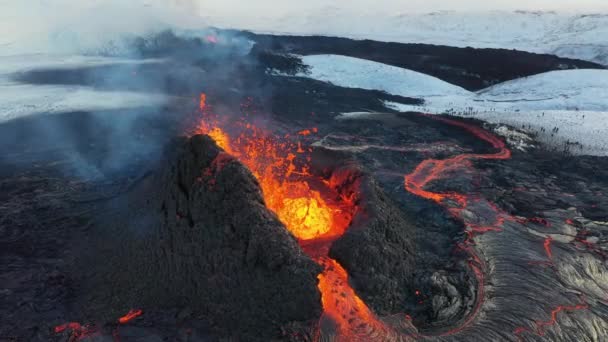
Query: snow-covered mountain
573	101
580	36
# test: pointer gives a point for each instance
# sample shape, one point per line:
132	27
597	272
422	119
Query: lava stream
431	170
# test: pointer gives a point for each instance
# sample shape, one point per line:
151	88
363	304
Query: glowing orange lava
354	320
79	332
431	170
289	189
542	325
131	315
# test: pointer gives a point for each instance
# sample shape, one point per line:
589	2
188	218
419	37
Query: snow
19	100
93	26
360	73
515	138
566	89
575	102
21	63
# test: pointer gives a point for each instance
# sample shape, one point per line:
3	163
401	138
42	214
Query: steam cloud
71	27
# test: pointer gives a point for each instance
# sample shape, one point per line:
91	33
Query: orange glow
203	102
547	245
287	186
78	332
355	321
211	39
541	326
309	206
432	170
68	326
131	315
221	139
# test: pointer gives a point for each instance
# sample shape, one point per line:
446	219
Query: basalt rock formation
377	250
196	235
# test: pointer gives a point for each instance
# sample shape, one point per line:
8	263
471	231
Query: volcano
260	204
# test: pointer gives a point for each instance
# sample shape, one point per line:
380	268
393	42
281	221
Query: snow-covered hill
338	70
580	36
573	101
558	90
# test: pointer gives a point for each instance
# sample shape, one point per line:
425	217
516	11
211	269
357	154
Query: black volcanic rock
197	235
377	249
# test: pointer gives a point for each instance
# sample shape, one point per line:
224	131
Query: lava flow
432	170
308	205
79	332
280	166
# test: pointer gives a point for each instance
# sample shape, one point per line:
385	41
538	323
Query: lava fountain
281	168
309	206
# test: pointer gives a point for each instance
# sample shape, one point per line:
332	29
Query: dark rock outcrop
377	250
197	236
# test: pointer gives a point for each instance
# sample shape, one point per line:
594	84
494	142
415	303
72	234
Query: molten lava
79	332
131	315
431	170
288	187
354	320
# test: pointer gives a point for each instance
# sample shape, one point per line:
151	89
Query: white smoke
74	27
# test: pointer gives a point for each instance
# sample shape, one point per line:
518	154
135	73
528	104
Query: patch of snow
566	89
360	73
20	63
19	100
515	138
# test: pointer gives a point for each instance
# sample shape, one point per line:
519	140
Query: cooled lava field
260	206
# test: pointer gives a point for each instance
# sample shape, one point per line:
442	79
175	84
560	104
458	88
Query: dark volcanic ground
71	183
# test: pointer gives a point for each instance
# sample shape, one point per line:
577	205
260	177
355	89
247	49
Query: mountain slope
561	90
